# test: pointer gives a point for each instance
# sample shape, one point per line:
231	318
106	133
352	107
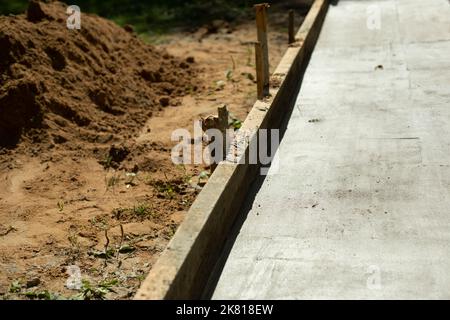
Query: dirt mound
59	85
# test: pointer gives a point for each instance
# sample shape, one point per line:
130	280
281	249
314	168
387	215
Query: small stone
164	101
33	282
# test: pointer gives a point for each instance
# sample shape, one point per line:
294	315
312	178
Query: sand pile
59	85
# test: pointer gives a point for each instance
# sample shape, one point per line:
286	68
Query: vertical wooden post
261	26
223	126
291	27
259	70
221	123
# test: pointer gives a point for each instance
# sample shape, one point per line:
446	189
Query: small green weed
96	292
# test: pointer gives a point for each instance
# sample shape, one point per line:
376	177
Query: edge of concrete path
184	268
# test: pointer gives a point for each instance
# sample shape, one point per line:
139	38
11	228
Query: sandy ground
64	209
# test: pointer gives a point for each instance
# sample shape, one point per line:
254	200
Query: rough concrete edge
183	269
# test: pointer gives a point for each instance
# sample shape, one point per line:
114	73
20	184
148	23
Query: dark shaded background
154	15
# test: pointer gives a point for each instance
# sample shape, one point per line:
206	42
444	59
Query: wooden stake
261	26
223	126
291	27
259	70
220	122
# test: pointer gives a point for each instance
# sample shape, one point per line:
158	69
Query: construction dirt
88	189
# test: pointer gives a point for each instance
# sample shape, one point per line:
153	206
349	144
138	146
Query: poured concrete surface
359	206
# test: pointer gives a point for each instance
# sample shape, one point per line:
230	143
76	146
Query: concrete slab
359	205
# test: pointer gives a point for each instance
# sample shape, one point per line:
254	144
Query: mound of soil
87	85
